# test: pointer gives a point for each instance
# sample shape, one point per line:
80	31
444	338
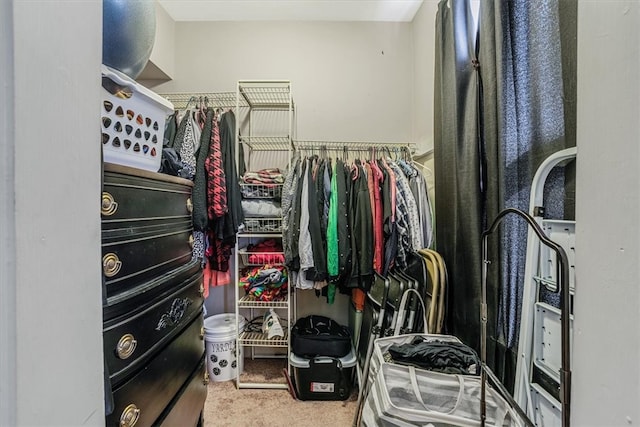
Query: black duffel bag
320	336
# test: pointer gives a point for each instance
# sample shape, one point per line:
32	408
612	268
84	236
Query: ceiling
292	10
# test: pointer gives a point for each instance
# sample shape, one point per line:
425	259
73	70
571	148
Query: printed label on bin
322	387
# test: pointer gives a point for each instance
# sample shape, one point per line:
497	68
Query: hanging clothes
362	230
345	221
185	143
344	228
289	189
170	129
199	192
326	194
410	209
296	217
222	238
198	121
305	248
234	216
318	240
420	191
377	214
332	229
389	216
216	178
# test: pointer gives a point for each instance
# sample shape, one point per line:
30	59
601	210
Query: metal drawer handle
189	205
109	205
191	240
126	346
129	416
111	264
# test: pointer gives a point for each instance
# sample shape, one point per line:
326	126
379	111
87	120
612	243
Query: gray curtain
526	98
458	166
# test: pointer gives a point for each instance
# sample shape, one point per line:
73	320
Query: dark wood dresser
154	353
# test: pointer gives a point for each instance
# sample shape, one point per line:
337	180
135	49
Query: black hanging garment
222	235
361	222
318	239
200	219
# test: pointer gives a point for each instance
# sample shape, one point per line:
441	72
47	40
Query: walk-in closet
310	213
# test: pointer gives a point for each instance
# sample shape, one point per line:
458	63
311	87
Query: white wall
7	222
164	47
606	373
161	64
351	81
424	44
58	364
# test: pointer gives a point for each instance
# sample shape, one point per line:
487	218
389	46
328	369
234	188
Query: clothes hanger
192	99
427	169
372	153
408	157
323	152
355	171
388	152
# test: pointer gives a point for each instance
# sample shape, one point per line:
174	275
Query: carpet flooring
228	406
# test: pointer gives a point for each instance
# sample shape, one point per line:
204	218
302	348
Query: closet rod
214	99
352	145
350	149
404	148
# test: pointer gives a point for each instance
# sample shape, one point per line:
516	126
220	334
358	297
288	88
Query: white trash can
220	340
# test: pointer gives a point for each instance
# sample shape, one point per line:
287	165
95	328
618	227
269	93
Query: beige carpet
228	406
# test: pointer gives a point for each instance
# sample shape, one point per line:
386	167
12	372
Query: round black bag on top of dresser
316	335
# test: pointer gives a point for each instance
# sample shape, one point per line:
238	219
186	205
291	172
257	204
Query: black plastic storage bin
323	378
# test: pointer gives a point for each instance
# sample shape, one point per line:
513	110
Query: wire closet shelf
184	100
266	94
344	148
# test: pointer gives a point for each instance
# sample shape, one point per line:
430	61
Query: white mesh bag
407	396
381	346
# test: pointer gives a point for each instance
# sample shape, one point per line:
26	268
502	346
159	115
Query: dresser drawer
144	294
187	406
131	194
144	397
137	254
130	340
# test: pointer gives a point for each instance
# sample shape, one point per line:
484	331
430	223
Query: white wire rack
266	94
262	225
250	258
260	191
259	339
266	125
266	143
249	301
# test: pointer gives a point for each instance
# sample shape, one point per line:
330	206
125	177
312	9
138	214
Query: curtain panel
504	101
